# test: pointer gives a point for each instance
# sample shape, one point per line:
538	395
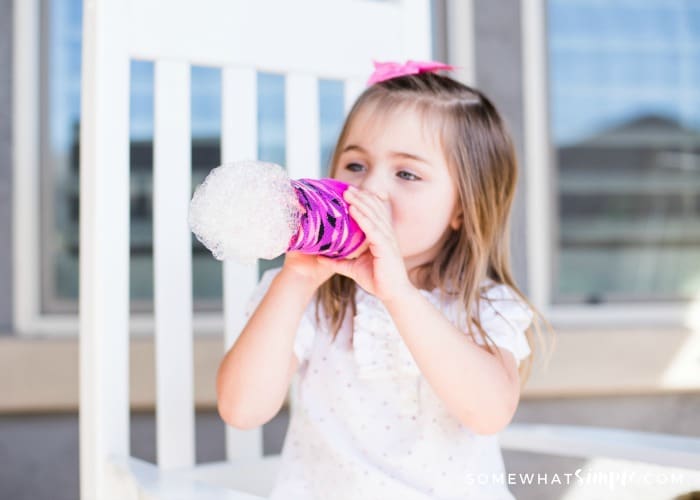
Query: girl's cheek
343	176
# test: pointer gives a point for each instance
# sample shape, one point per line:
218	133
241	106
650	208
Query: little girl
409	355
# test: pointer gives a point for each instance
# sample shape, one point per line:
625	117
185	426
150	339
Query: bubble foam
245	211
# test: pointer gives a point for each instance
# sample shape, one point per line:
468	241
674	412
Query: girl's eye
351	167
409	176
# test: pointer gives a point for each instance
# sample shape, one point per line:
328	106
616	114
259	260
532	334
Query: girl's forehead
401	125
378	116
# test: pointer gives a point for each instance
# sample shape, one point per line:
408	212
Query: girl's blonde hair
482	162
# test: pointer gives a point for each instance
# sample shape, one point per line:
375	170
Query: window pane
141	124
271	133
206	154
59	132
332	114
60	105
625	109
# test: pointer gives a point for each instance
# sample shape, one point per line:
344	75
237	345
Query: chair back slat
239	140
104	247
239	280
302	130
172	262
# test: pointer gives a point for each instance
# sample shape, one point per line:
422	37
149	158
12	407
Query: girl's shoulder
501	293
306	331
498	304
489	292
504	316
260	289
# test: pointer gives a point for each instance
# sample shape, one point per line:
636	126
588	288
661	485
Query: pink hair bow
388	70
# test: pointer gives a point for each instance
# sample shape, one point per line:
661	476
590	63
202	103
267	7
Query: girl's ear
456	221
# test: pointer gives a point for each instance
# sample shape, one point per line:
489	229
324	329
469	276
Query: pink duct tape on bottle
326	227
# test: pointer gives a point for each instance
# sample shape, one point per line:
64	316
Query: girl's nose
374	189
374	185
383	196
384	199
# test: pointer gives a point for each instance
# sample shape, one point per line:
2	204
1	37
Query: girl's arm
254	376
477	387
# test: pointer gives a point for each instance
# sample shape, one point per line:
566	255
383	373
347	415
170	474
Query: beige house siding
40	375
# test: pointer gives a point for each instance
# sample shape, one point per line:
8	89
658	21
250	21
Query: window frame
28	218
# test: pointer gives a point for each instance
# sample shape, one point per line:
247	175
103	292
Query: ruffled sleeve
505	317
303	342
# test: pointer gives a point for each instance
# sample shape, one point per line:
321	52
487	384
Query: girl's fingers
376	228
377	201
374	212
374	218
372	208
379	241
367	224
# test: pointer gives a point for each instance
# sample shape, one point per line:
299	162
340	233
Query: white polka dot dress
365	424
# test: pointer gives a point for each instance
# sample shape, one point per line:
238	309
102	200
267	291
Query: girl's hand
306	268
380	270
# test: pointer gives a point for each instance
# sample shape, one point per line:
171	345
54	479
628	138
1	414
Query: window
625	122
60	110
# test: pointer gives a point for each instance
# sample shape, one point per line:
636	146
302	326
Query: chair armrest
589	442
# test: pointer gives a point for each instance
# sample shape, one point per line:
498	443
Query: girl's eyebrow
399	154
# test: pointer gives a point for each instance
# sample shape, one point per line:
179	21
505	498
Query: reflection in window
61	56
625	108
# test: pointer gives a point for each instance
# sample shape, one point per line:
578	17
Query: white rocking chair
335	39
241	37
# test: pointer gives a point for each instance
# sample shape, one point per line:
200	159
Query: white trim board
537	153
42	374
25	163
